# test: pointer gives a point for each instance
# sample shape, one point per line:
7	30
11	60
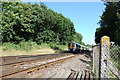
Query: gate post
105	49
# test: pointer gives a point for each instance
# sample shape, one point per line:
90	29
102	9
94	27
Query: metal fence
110	56
106	61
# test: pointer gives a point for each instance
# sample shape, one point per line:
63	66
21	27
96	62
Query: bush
55	46
27	45
44	45
21	46
8	46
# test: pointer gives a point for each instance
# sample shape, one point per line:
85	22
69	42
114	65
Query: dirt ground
63	69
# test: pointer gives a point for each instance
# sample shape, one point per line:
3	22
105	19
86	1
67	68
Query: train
73	47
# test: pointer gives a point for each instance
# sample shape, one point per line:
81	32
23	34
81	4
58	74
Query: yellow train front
73	46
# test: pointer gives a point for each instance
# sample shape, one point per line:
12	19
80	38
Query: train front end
71	46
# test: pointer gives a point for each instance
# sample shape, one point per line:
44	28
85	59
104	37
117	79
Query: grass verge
30	48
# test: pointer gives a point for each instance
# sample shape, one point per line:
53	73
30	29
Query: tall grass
30	48
57	46
22	46
26	46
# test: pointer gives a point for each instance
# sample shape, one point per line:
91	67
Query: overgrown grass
29	48
22	46
57	47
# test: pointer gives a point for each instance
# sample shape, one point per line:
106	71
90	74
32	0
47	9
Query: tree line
35	22
109	23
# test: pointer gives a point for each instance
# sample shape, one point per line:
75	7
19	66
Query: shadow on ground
83	60
87	53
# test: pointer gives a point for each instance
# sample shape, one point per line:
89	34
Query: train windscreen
73	44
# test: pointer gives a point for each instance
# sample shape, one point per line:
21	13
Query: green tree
109	23
78	38
35	22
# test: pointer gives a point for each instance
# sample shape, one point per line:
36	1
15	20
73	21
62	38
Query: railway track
80	75
22	65
9	60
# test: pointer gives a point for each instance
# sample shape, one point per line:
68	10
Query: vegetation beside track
30	48
37	23
34	29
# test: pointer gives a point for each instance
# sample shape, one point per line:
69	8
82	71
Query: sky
63	0
84	15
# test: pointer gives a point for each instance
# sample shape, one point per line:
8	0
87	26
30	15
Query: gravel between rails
37	64
18	59
8	69
63	69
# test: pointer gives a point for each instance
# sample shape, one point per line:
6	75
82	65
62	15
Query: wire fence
106	61
115	55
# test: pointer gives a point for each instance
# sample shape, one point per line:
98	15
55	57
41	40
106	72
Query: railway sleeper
80	75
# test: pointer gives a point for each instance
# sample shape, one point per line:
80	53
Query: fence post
105	49
93	59
96	60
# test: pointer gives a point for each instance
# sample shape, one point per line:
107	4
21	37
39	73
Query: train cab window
73	44
77	45
68	44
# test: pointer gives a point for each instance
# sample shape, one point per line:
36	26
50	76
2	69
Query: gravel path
63	69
